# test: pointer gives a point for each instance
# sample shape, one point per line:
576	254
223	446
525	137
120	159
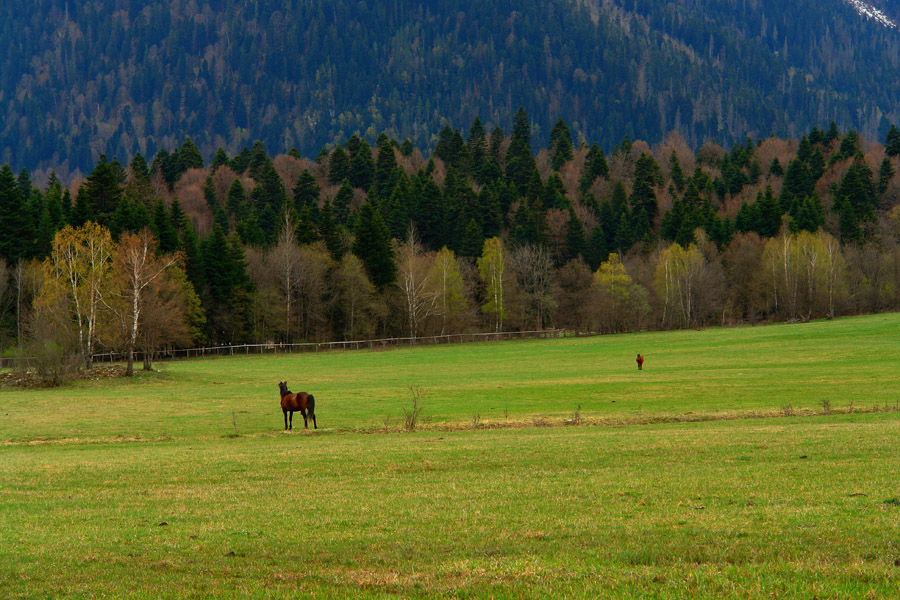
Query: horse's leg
303	412
313	415
285	418
292	420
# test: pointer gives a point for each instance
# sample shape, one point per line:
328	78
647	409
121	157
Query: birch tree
414	281
79	271
136	267
491	267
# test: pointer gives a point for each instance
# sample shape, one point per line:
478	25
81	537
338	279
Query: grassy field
142	489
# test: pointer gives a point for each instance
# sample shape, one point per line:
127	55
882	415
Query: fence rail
284	348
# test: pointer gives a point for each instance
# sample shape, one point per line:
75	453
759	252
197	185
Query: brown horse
291	402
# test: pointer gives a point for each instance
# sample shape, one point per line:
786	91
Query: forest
118	77
487	233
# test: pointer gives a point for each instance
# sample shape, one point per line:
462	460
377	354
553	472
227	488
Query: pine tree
219	159
189	157
306	231
560	144
885	174
306	191
892	142
329	230
472	239
643	197
101	192
576	245
14	220
342	202
362	167
259	160
139	166
209	192
338	166
676	172
520	163
373	246
384	169
163	229
177	215
597	249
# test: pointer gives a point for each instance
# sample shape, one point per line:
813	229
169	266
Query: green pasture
181	484
710	371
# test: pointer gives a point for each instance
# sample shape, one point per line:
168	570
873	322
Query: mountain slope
118	77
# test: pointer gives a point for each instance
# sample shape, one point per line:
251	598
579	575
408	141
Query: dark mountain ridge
119	77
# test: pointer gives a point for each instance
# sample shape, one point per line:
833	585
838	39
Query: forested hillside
490	232
81	79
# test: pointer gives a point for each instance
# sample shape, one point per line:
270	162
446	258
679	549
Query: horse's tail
311	404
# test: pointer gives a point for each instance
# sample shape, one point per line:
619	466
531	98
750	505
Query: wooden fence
283	348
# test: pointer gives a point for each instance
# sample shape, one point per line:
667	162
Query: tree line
488	233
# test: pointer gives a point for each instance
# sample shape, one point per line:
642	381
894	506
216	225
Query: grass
141	489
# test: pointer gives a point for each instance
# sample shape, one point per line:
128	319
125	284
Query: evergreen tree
396	209
576	245
472	239
101	192
769	213
384	170
139	167
209	192
163	229
520	163
859	190
429	214
193	259
306	191
177	215
15	225
338	166
237	199
885	174
595	165
219	159
306	230
775	169
643	197
892	142
342	202
189	157
798	184
560	144
848	221
259	160
241	161
362	167
676	172
329	230
373	246
597	249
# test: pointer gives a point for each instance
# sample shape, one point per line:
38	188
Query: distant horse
291	402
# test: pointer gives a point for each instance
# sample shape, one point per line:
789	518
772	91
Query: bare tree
136	267
414	281
170	307
533	267
284	259
4	288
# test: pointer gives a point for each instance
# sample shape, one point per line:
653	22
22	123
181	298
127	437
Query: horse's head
282	385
